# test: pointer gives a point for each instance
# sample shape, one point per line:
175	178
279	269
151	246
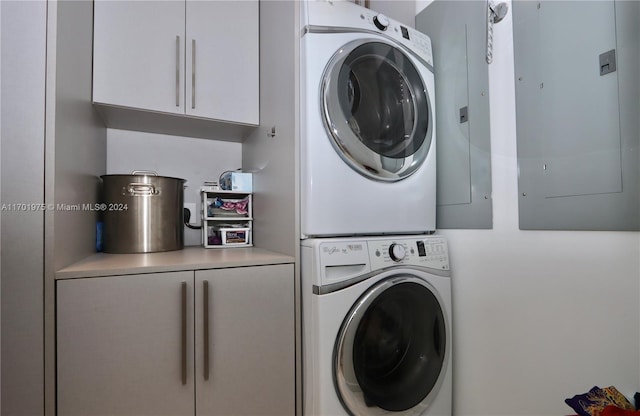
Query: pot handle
140	189
144	172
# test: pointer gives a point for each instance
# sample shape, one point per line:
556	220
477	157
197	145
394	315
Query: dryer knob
381	21
396	252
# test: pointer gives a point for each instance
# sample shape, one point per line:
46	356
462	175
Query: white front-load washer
367	138
376	326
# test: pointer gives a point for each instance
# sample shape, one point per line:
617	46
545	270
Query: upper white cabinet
222	64
138	58
189	58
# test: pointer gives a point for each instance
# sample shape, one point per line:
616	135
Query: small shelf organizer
227	219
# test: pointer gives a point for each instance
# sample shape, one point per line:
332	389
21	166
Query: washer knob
381	21
396	252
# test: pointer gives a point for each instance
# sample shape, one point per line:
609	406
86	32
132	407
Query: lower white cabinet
209	342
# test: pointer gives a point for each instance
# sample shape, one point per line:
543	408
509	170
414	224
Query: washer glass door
376	110
391	351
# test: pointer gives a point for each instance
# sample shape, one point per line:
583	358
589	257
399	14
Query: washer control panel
428	252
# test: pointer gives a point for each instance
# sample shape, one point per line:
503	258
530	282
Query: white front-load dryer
367	139
376	326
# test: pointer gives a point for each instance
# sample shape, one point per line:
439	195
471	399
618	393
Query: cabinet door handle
177	71
183	352
205	291
193	73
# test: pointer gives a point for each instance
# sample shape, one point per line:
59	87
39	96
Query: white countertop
190	258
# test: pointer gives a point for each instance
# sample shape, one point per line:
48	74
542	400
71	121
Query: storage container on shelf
227	218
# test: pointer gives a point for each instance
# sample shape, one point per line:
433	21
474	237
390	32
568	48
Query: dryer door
376	109
391	352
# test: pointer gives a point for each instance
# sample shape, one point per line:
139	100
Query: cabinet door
250	332
139	54
222	60
123	344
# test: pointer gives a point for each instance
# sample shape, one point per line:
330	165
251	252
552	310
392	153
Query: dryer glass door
376	109
392	347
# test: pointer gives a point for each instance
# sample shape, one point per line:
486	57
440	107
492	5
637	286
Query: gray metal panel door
577	122
251	341
119	345
457	30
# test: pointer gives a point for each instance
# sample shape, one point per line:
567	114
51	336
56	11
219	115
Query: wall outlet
195	216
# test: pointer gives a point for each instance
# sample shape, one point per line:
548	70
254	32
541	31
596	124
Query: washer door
376	110
390	353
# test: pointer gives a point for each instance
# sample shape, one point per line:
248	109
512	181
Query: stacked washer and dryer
376	292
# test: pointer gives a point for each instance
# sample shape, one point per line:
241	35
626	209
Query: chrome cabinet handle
183	352
205	290
193	73
177	71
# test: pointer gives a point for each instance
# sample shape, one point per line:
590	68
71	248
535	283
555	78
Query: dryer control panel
415	40
341	15
430	252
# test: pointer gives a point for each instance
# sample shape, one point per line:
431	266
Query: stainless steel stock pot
143	213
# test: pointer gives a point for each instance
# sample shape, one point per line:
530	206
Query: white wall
196	160
538	315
